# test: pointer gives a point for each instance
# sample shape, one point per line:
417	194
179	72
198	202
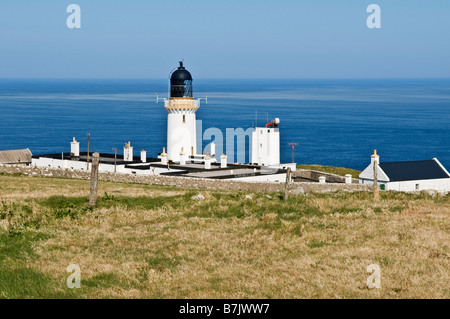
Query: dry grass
22	187
155	242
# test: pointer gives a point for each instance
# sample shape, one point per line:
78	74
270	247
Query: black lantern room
181	82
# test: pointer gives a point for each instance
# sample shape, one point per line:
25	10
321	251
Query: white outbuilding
408	176
266	144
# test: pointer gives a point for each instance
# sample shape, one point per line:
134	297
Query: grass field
145	241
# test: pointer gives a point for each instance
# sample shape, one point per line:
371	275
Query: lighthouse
181	108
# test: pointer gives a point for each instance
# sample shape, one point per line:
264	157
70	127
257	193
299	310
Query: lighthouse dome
181	82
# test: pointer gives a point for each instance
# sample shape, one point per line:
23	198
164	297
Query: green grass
25	282
18	246
18	279
317	244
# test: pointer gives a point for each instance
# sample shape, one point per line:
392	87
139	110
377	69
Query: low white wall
58	163
280	178
440	185
103	168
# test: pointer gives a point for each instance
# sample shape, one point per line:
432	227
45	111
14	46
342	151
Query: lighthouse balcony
180	103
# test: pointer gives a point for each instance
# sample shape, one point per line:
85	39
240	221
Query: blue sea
335	122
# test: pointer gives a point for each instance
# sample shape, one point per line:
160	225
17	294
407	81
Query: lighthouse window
184	119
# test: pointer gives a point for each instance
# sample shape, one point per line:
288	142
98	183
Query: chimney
213	149
128	152
75	148
374	157
143	156
223	161
164	157
207	162
182	157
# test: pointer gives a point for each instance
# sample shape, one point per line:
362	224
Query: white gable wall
366	176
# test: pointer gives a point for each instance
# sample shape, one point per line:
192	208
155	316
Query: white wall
367	174
179	134
58	163
104	168
281	178
109	168
440	185
265	146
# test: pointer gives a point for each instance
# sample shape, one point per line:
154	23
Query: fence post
286	185
376	191
94	180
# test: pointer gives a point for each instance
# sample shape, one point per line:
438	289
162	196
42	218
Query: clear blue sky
225	39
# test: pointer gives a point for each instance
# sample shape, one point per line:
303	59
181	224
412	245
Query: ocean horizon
336	122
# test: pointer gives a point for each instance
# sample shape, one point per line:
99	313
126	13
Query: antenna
293	151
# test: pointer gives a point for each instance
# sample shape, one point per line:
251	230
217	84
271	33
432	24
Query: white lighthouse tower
181	108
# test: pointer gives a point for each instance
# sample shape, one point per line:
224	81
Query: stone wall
314	175
295	188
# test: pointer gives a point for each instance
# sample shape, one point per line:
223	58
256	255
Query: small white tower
223	161
143	156
181	108
266	144
75	148
128	152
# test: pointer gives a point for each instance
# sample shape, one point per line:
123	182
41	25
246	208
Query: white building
408	176
266	144
182	158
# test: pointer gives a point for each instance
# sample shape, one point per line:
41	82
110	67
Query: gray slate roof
15	156
413	170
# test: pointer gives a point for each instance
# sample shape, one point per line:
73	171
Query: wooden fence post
286	185
94	180
376	191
